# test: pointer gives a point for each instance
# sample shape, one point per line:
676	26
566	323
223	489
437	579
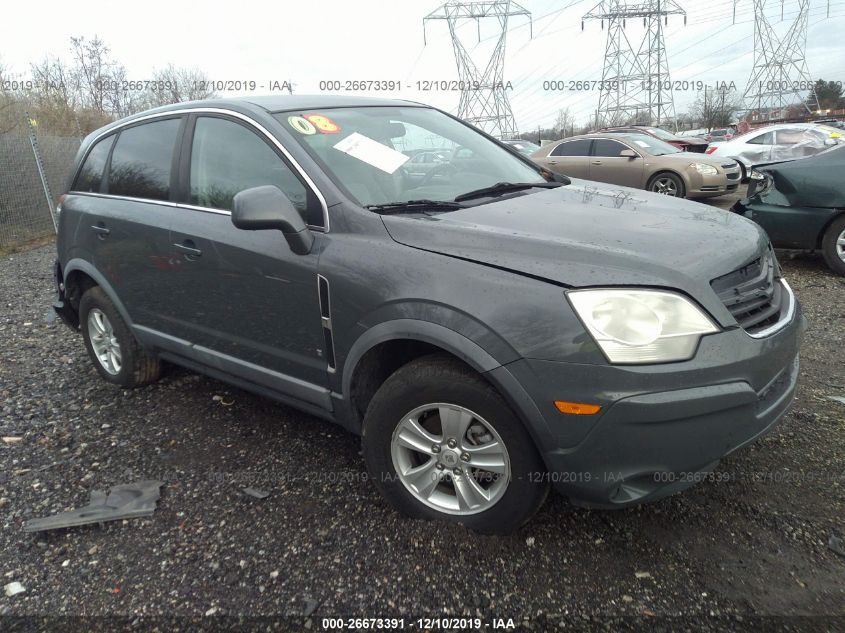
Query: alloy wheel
665	186
450	459
104	342
840	246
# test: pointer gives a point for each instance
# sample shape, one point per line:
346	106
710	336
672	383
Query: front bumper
726	181
660	426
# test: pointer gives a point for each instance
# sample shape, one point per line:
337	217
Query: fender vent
326	319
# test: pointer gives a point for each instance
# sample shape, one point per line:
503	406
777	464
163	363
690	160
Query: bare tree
94	72
177	84
52	85
8	111
564	123
716	107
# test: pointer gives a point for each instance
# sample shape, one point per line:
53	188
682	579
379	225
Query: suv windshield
651	145
382	154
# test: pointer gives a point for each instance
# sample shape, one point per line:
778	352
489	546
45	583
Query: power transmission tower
484	100
780	78
635	80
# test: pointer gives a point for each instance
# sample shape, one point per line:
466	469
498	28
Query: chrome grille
753	294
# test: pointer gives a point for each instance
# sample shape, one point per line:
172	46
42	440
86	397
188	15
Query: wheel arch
79	275
836	215
373	358
384	348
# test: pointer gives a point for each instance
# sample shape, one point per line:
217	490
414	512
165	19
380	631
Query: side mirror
628	153
266	207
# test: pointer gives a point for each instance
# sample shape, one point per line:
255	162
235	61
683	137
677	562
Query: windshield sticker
641	143
323	123
302	125
372	152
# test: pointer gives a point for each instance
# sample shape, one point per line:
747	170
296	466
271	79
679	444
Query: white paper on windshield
372	152
641	143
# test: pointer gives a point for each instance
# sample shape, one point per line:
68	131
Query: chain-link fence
24	210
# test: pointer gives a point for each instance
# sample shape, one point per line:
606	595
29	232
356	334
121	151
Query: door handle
596	162
101	231
189	249
552	162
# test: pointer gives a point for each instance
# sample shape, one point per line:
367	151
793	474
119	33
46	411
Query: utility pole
635	79
484	100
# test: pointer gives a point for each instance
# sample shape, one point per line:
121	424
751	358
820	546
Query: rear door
606	164
128	213
757	149
247	301
569	158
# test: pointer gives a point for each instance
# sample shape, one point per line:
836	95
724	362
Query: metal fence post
33	141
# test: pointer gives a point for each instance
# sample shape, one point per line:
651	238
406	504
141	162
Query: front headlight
642	326
759	183
705	170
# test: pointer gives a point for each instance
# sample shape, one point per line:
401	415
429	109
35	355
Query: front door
245	300
606	164
757	149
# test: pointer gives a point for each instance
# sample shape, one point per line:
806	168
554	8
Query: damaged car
780	142
801	204
489	330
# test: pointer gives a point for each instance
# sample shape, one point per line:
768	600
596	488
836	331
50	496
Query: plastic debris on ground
125	501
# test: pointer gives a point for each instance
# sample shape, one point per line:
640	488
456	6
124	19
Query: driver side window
227	157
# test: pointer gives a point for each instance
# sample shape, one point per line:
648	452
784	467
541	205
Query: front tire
668	185
441	443
833	245
117	355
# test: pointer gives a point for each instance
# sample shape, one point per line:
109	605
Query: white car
784	141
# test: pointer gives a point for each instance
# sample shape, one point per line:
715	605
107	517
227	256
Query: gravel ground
753	543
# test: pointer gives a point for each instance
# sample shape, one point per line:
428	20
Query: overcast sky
372	40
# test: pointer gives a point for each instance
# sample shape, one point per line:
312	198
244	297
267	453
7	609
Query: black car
487	332
801	204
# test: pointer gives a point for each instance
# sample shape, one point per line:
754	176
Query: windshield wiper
505	187
415	205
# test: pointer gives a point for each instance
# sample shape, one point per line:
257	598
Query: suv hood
591	234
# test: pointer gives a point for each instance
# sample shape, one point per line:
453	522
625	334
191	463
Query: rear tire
117	355
485	471
667	184
833	245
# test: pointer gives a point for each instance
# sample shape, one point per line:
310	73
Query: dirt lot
756	543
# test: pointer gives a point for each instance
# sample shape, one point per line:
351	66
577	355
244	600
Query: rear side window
142	159
226	158
90	176
762	139
606	147
572	148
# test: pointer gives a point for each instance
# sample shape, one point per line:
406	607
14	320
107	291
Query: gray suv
489	329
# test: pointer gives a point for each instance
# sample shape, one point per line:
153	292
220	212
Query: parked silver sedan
784	141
